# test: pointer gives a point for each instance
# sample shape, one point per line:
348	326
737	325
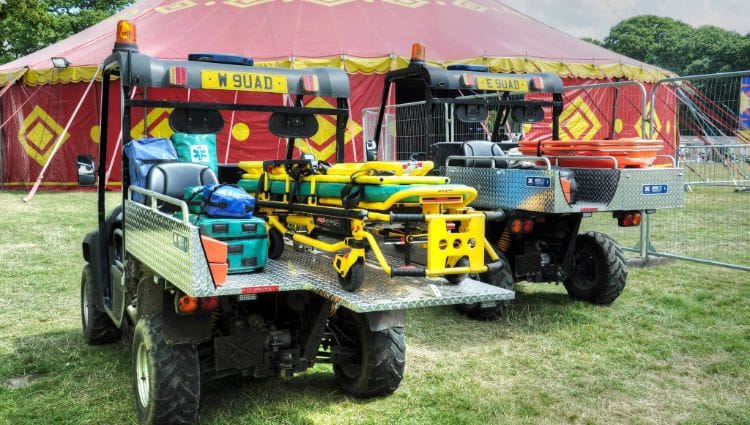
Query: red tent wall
31	134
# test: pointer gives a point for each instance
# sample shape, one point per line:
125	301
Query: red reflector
450	226
260	289
441	200
310	83
178	76
468	80
537	83
209	303
593	209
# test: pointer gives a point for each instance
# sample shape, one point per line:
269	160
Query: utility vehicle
147	272
468	121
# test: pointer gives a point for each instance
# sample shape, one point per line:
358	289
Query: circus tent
49	115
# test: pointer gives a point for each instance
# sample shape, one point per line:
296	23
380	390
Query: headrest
172	178
483	148
196	121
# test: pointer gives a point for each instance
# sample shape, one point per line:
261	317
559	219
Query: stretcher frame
431	214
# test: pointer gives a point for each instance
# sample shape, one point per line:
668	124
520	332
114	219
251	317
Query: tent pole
231	125
117	145
349	129
39	179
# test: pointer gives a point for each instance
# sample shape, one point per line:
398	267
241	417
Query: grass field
674	348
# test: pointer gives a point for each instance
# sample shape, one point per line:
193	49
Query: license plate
243	81
502	84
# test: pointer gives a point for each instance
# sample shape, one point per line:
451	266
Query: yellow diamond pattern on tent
578	121
323	143
408	3
38	135
329	2
466	4
158	124
657	124
245	3
176	6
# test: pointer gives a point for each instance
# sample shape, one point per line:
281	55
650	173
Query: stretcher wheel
275	244
354	278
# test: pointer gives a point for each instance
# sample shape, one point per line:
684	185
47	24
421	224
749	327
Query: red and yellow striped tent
365	37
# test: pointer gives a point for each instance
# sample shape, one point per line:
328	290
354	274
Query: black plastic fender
154	299
382	320
91	246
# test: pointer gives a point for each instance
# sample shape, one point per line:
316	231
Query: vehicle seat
483	148
440	151
172	178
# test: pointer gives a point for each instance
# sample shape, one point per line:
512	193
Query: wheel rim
85	305
142	375
585	271
351	370
348	338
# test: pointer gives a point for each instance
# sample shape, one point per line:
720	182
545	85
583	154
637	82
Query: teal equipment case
231	228
246	255
197	148
246	239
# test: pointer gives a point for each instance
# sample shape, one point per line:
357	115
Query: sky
575	16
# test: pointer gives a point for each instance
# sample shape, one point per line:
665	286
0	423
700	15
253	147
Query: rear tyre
98	328
275	244
599	269
366	363
166	378
502	278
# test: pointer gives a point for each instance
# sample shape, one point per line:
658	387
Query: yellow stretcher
343	207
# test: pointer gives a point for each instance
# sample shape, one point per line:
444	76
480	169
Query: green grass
674	348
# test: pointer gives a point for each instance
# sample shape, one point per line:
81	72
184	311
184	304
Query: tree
675	45
29	25
593	41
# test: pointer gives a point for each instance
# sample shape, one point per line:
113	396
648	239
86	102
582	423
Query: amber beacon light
125	32
417	52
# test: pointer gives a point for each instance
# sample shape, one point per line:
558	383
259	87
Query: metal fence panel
714	151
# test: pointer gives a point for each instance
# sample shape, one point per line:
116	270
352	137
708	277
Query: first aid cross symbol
200	153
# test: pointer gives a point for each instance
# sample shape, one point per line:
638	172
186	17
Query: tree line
674	45
29	25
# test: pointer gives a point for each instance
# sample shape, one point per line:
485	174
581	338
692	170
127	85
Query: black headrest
172	178
440	151
482	148
196	121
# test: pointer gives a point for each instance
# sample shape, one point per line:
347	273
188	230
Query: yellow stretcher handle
347	169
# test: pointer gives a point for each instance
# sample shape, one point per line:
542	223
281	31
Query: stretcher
351	208
622	153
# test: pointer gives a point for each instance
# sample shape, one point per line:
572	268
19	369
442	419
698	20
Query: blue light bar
468	67
220	58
